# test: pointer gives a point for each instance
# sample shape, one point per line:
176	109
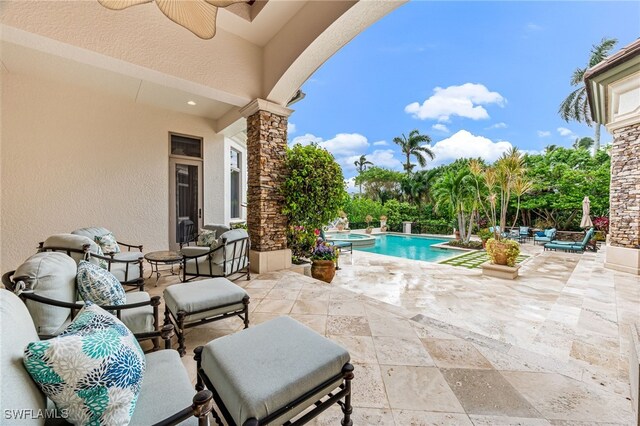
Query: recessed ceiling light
191	103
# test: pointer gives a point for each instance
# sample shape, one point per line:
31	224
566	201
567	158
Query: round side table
165	257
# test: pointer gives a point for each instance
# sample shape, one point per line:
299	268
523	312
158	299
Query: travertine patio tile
318	323
430	418
361	416
348	326
486	392
275	306
346	307
368	386
260	283
479	420
401	351
317	307
314	294
558	397
419	389
360	348
257	293
455	354
283	293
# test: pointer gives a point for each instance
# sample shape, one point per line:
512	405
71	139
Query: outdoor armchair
190	232
155	405
95	232
229	256
127	267
47	284
549	235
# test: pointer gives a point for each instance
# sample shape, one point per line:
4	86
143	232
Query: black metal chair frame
10	281
346	375
236	261
109	259
178	318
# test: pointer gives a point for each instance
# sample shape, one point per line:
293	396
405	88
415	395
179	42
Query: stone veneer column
624	230
266	156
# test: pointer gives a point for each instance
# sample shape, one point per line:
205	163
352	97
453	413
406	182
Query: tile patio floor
441	345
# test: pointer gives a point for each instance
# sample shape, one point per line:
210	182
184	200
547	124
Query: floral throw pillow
206	238
108	243
98	285
94	369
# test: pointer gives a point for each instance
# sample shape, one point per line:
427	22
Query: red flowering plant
324	251
601	223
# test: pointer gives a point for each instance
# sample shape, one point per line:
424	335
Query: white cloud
351	185
306	139
498	126
440	127
563	131
463	101
463	144
348	147
533	27
544	133
291	128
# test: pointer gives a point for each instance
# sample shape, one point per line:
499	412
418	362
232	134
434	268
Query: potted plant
484	234
323	258
503	252
383	223
368	219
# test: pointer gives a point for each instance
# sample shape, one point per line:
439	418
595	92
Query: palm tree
576	107
411	146
550	148
361	165
455	192
583	143
418	186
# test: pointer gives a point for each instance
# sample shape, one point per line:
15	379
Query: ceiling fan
198	16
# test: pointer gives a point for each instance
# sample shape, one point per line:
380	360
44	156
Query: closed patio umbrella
586	219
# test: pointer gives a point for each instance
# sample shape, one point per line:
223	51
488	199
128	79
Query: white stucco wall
73	157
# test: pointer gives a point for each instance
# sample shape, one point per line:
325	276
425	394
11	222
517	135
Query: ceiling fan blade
197	16
224	3
121	4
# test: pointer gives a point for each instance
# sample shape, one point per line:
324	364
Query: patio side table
165	257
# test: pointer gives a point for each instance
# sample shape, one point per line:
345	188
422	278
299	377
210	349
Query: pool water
410	247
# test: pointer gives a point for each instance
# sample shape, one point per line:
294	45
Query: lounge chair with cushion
46	282
126	266
571	246
547	236
166	395
229	255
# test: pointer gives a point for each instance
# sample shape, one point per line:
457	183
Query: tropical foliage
414	146
313	192
575	107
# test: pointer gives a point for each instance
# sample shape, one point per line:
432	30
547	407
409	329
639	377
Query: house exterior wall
74	157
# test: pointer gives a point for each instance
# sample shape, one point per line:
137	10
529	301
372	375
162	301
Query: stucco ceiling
21	60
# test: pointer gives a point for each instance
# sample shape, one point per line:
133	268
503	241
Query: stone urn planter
368	230
323	270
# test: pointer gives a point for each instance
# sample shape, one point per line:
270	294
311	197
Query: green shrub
314	192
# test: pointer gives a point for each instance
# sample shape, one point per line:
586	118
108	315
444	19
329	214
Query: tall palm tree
418	186
583	143
412	146
576	106
361	165
455	193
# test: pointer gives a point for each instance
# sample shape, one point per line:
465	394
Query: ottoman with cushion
199	302
274	371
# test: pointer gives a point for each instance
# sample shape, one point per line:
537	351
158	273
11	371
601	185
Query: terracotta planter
500	254
323	270
368	230
340	227
457	233
484	244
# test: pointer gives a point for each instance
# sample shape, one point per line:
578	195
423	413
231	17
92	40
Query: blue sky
477	77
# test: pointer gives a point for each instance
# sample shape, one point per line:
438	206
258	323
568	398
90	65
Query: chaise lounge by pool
410	247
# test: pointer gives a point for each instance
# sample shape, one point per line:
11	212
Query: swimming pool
410	247
357	240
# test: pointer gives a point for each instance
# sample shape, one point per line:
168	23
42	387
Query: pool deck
441	345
